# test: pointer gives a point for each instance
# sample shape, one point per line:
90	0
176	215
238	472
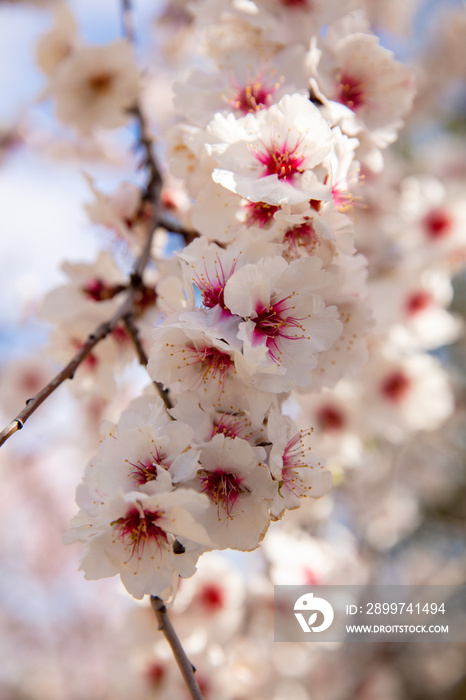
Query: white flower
287	323
123	212
211	602
229	419
95	86
240	490
56	44
272	155
299	473
146	451
364	78
133	535
358	72
93	291
193	354
406	393
241	83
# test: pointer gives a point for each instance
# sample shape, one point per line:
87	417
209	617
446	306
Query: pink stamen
136	528
222	488
351	91
253	97
120	336
147	470
301	236
212	290
215	363
294	458
281	161
233	426
273	323
259	214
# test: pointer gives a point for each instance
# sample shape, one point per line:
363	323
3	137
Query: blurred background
398	518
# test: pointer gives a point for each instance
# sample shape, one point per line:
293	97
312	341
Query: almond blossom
286	322
95	86
299	473
240	490
134	534
272	156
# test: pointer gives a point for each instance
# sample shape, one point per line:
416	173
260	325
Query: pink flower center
417	302
212	289
229	426
147	470
155	673
212	597
136	528
254	96
215	364
351	91
395	386
330	419
259	214
273	323
438	224
222	488
299	237
281	160
294	458
294	454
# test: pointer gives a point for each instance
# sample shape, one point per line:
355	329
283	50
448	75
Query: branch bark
126	311
133	333
184	664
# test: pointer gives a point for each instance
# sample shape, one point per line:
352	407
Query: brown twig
184	664
133	333
126	310
95	337
175	227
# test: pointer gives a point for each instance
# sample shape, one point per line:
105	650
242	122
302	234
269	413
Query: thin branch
95	337
185	666
152	194
133	333
176	227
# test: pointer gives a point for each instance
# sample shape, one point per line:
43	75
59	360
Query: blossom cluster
293	327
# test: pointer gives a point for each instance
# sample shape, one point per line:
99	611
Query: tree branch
173	226
126	312
95	337
184	664
133	333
